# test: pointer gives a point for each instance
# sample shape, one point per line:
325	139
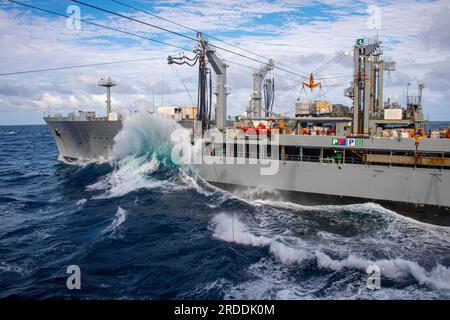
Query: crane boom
220	68
255	104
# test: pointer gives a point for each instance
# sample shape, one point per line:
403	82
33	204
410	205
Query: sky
300	35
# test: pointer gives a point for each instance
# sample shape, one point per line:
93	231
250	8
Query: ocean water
140	227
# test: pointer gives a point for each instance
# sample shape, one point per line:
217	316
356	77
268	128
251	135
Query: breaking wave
146	228
144	135
128	175
331	237
272	280
83	163
324	240
120	217
142	147
81	202
401	245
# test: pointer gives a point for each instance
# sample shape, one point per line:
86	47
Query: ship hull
419	190
84	140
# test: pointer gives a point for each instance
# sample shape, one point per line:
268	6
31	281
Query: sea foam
293	250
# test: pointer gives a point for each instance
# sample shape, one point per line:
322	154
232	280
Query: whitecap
143	133
271	280
7	267
81	202
230	229
398	268
83	163
290	250
129	175
119	218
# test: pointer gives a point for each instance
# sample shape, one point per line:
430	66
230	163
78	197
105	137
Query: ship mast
108	84
255	103
205	56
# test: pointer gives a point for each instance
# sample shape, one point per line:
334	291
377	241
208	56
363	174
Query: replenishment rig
379	151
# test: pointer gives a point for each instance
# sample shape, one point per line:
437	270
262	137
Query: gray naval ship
376	152
86	136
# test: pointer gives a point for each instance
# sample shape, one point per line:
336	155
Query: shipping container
303	108
393	114
323	107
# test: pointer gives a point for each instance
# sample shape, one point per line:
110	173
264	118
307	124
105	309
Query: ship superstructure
379	152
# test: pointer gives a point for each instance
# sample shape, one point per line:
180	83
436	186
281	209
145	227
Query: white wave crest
130	174
81	202
290	250
119	218
83	163
289	255
142	147
274	281
438	277
144	133
231	229
357	207
193	182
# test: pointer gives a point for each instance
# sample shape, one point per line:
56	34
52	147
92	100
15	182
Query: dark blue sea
143	228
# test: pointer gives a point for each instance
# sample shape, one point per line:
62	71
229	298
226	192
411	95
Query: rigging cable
182	60
150	39
255	68
283	76
128	33
180	34
75	66
336	76
208	72
97	24
292	85
337	85
326	65
287	88
133	19
197	31
183	83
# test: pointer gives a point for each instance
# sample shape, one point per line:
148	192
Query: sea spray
231	229
130	174
145	134
143	146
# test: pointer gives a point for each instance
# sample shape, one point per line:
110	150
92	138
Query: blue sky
299	35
